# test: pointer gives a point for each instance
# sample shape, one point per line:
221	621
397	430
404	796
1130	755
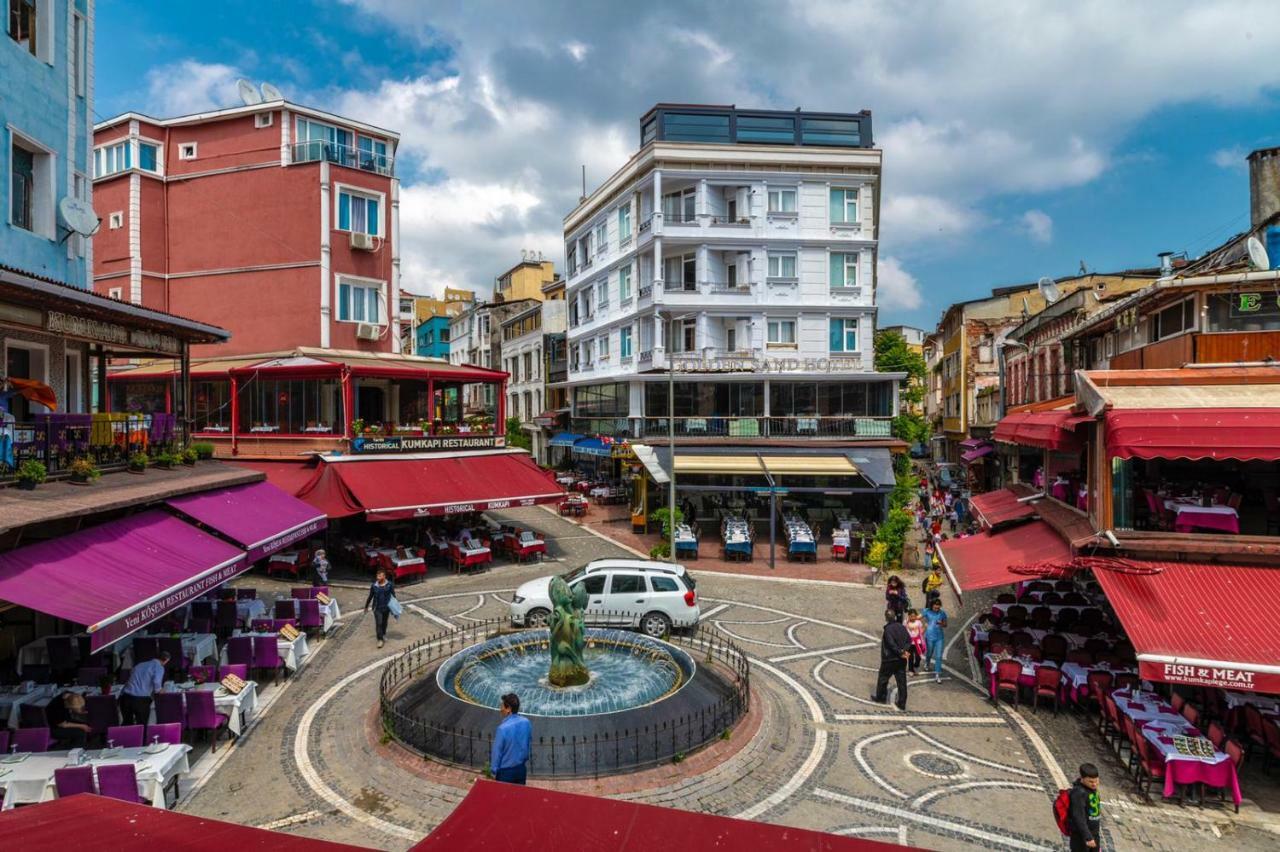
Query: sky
1020	139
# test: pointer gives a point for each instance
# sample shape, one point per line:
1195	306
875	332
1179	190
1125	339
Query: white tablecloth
329	612
11	702
196	647
1153	731
35	653
31	780
293	653
290	558
1078	675
248	609
1145	707
246	702
1265	703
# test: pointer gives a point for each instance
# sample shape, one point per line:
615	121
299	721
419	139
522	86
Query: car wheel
655	624
537	618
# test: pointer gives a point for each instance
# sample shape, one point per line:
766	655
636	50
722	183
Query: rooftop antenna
1257	254
1049	289
248	92
271	93
1084	270
583	197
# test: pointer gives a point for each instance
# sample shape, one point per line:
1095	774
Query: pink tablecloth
1184	769
1219	518
1061	491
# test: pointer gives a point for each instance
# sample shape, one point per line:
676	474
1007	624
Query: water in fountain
627	670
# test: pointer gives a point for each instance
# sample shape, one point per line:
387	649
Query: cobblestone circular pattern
935	765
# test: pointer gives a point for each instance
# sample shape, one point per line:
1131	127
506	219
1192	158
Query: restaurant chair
1255	727
1048	685
1176	701
63	657
1216	735
203	674
1080	657
203	715
1040	586
1054	647
144	648
1063	586
1112	728
169	733
178	662
4	744
225	619
126	736
118	781
1075	599
240	670
1007	674
324	590
32	739
1042	618
1123	648
1031	652
200	625
240	650
266	655
103	712
1128	743
1271	732
1096	646
1235	500
1051	599
1236	754
1001	636
309	617
1066	619
202	609
71	780
1125	680
90	675
1191	714
998	648
1020	637
168	708
32	716
1006	598
1099	686
286	608
302	593
38	672
1150	765
246	594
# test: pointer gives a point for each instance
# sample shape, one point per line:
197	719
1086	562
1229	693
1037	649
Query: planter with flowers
83	471
30	474
138	463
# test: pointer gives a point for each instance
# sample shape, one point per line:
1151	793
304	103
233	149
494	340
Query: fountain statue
567	641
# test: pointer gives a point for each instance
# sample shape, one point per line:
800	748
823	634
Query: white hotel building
738	248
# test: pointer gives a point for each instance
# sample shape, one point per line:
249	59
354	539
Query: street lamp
671	435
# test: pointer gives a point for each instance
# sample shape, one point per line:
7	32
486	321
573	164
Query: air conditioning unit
367	330
362	242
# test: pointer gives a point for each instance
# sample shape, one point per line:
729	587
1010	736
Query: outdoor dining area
464	542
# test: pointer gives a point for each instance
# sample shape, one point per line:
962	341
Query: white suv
635	593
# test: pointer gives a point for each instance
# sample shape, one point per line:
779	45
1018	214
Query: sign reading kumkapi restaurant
109	332
427	444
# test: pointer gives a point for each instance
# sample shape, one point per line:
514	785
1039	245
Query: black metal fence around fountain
424	717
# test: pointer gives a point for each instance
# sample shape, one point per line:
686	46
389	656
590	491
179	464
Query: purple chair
118	781
240	670
246	594
128	736
31	716
309	617
32	739
63	657
122	676
168	707
203	674
178	662
71	780
170	732
277	623
4	740
200	625
202	609
286	608
144	648
103	712
90	675
266	655
261	625
303	593
225	619
202	715
240	650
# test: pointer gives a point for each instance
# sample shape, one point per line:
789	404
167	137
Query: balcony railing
57	440
680	218
737	427
738	288
731	220
680	286
343	155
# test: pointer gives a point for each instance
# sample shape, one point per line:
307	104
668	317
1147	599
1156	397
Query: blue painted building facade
46	65
432	337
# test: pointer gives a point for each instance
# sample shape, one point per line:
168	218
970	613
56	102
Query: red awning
69	823
289	476
983	561
1243	434
393	489
1049	430
1191	623
484	820
998	507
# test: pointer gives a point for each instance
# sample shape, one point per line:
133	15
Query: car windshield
575	574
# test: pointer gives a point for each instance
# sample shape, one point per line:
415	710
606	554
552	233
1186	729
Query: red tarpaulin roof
289	476
998	507
71	823
1244	434
1190	622
445	484
118	577
1049	430
983	561
549	819
259	517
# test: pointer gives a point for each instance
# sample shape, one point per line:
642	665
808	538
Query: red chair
1129	741
1054	647
1191	714
1255	726
1236	752
1150	765
1031	652
1176	701
1080	657
1019	638
1048	685
1007	674
1217	735
1098	684
1113	727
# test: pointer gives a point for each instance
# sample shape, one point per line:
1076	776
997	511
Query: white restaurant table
11	702
31	780
233	704
196	647
247	609
329	612
293	653
1265	703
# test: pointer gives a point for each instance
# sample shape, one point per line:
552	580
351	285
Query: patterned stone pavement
952	772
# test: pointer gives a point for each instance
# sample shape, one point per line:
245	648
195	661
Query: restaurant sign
426	443
280	542
130	621
110	332
1222	677
437	509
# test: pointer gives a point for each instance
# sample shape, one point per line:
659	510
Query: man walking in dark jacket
895	648
1085	815
380	592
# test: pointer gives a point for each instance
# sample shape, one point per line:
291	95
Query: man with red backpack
1078	811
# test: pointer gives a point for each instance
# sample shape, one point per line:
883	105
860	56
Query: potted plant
138	462
164	460
30	474
105	683
357	426
83	471
189	457
204	451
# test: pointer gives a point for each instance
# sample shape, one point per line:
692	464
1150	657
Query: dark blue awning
564	439
592	447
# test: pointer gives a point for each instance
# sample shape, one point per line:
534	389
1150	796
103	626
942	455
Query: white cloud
189	86
1231	158
577	50
910	217
896	289
1038	225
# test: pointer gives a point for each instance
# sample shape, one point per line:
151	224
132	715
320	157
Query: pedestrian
915	629
935	619
68	721
320	569
935	528
381	592
1085	814
144	681
509	758
928	556
895	596
895	650
932	585
952	518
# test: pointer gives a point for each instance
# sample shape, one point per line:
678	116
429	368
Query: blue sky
1019	139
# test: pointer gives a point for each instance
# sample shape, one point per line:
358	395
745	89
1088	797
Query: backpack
1062	811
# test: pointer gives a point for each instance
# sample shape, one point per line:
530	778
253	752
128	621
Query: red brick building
275	221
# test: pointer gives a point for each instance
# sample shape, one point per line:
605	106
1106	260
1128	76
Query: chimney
1166	263
1264	185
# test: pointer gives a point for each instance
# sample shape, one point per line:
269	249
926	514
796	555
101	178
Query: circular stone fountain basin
628	670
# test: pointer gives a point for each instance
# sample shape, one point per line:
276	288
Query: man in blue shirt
510	755
145	679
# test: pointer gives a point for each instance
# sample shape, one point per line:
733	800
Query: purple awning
260	517
977	453
118	577
973	443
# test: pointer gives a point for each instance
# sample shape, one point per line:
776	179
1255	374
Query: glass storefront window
291	406
1122	494
211	402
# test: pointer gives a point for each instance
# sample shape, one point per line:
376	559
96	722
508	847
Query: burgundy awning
1243	434
998	507
1049	430
259	517
120	576
983	561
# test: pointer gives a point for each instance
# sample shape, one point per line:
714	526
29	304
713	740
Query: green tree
893	355
517	437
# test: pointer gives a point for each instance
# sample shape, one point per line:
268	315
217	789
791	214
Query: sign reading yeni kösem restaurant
426	443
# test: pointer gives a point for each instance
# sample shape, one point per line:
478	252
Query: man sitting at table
68	721
145	680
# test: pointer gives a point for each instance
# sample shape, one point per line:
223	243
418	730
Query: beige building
525	280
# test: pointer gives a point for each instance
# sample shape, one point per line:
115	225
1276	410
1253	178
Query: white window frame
625	346
188	150
360	192
680	195
851	196
137	155
780	191
602	347
80	190
849	325
601	231
74	396
624	283
366	284
44	184
263	119
781	256
115	220
851	262
79	50
776	325
108	151
624	218
45	26
115	293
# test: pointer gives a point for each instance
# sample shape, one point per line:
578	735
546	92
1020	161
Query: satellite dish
271	93
79	216
1258	254
248	93
1049	289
